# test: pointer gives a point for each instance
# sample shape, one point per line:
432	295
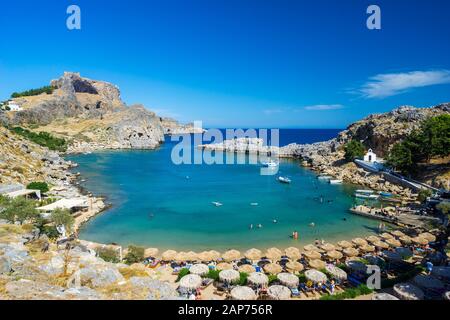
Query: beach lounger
295	292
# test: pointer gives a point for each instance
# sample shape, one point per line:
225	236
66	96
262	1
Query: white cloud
323	107
390	84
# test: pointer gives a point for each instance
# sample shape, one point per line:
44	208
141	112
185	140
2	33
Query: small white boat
336	182
284	180
364	191
270	164
217	204
367	196
254	204
324	177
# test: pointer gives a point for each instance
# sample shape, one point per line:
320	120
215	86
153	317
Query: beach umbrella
428	282
311	247
273	268
215	255
181	256
253	254
359	241
243	293
293	253
405	239
386	236
397	233
258	278
328	247
231	255
384	296
393	243
367	248
420	240
312	255
191	282
373	259
294	266
191	256
246	268
394	256
277	292
404	252
317	264
151	252
224	266
169	255
356	265
288	279
441	272
205	256
351	252
381	244
336	272
428	236
315	275
335	255
274	254
447	295
229	275
408	291
373	239
199	269
345	244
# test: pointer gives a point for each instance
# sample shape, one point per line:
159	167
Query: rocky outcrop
172	126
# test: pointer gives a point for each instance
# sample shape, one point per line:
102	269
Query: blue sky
238	63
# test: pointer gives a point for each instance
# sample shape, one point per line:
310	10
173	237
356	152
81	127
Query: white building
370	156
13	106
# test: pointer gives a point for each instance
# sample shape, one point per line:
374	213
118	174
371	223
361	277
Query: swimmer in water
312	224
250	226
275	221
260	226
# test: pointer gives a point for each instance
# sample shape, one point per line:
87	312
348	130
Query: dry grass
128	273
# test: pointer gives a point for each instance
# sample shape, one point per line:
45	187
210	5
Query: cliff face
89	113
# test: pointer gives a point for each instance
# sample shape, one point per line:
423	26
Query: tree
400	158
18	210
353	150
135	254
41	186
424	194
436	136
63	217
444	207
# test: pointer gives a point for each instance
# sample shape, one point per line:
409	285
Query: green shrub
135	254
444	207
183	272
272	278
41	186
213	274
63	217
350	293
18	210
44	139
424	194
242	279
50	232
33	92
302	278
353	150
108	254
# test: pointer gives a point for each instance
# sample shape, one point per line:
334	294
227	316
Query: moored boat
364	191
324	177
336	182
367	196
270	164
284	180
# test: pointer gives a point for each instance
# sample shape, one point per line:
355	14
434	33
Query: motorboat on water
217	204
324	177
367	196
364	191
270	164
284	180
336	182
254	204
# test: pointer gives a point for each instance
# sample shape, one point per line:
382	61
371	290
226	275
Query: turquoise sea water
154	203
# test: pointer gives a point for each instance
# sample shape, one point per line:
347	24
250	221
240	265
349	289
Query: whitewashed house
13	106
370	156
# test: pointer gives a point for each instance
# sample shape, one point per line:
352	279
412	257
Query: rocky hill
91	115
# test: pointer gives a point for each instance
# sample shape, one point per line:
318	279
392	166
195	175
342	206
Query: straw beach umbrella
335	255
258	278
274	254
246	268
373	239
215	255
345	244
328	247
428	236
191	256
386	235
315	276
420	240
253	254
151	252
356	265
394	256
311	247
351	252
405	239
293	253
408	291
359	242
367	248
381	244
277	292
224	266
288	279
273	268
384	296
199	269
317	264
229	275
205	256
338	273
191	282
231	255
404	252
294	266
312	255
243	293
397	233
393	242
169	255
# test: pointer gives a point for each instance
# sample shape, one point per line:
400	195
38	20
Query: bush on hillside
33	92
135	254
44	139
41	186
354	150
